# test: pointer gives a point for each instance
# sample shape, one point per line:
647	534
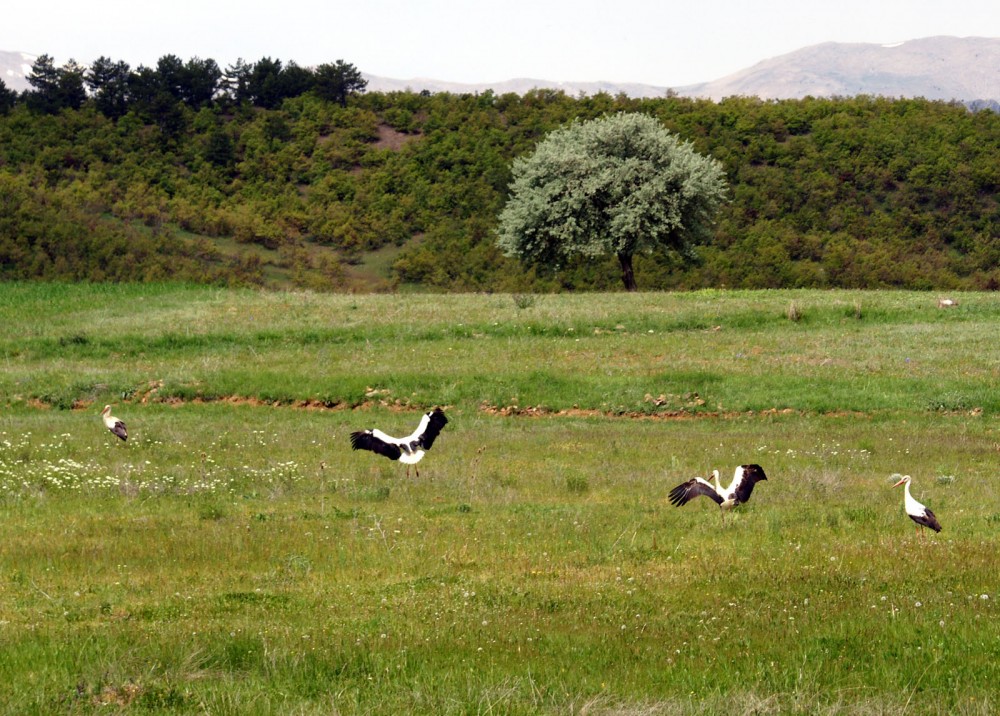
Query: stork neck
911	504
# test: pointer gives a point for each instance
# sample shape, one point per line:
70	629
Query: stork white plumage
916	511
409	450
738	492
113	424
715	481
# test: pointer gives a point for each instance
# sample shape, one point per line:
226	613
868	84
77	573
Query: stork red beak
900	482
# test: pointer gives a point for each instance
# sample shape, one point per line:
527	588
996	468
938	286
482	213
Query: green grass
706	351
237	557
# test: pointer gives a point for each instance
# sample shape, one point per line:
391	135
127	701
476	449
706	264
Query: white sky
658	42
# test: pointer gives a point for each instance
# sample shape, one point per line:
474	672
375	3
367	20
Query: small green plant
577	484
163	698
211	512
297	565
524	300
794	313
77	339
950	402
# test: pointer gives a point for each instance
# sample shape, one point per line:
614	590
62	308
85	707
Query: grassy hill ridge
401	191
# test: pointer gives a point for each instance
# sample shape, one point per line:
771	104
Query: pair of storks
411	449
408	450
749	475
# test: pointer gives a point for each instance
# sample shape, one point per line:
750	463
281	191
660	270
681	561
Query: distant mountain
517	86
942	68
14	67
946	68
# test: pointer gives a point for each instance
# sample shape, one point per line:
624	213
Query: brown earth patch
382	399
389	138
537	412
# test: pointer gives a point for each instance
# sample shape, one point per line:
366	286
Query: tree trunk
628	278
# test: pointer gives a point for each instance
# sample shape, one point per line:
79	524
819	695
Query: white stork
114	424
917	512
738	492
408	450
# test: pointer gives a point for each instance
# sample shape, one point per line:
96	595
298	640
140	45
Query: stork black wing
119	430
752	474
436	421
927	520
364	440
687	491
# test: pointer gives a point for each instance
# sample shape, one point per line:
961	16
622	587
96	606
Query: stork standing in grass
113	424
738	492
917	512
409	450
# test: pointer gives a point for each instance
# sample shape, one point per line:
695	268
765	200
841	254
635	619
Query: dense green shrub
407	188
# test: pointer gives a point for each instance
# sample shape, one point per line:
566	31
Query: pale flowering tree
621	184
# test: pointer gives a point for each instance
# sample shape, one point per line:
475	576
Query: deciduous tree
621	184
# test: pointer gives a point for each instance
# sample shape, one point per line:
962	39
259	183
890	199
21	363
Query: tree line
389	190
152	92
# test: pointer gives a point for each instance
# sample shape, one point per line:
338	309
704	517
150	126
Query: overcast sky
658	42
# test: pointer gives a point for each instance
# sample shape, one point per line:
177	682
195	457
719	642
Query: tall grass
238	557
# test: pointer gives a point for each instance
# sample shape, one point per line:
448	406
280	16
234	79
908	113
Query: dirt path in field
382	398
517	411
485	408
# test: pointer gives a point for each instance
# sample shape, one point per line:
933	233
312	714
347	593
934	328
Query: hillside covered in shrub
403	190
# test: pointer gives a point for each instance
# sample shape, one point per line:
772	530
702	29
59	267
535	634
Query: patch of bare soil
389	138
382	398
538	412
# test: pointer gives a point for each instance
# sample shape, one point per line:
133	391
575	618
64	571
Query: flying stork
917	512
408	450
114	424
738	492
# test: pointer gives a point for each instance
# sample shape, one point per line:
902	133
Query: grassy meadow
236	557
